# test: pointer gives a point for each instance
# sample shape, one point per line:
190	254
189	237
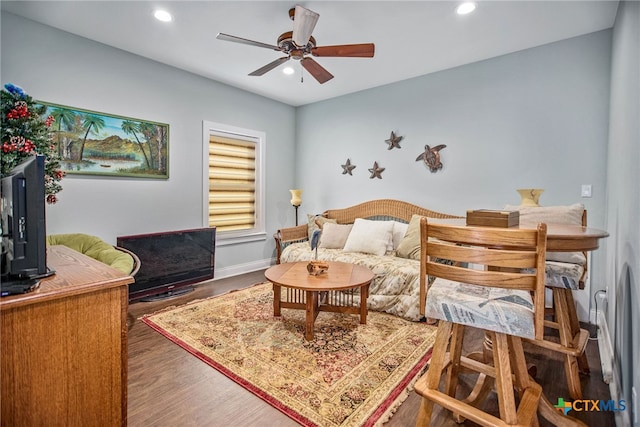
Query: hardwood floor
168	386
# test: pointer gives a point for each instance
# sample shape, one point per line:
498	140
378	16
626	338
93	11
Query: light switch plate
586	190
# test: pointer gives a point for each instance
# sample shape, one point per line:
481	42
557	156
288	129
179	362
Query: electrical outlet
586	190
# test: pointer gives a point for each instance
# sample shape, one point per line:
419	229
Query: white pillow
570	215
334	236
399	230
369	237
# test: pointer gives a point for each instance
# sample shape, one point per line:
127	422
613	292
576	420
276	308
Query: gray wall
533	119
58	67
623	207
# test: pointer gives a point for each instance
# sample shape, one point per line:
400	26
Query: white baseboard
604	346
235	270
622	418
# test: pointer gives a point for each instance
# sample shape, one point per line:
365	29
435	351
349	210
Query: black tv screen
170	260
24	257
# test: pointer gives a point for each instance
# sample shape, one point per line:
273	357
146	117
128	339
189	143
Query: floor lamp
296	201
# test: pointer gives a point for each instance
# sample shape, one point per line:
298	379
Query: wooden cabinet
64	346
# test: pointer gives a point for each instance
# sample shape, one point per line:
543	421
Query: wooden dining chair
570	340
491	286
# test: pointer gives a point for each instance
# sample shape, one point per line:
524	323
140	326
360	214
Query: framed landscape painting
95	143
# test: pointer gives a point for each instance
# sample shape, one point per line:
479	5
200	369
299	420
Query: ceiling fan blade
229	38
304	21
316	70
365	50
270	66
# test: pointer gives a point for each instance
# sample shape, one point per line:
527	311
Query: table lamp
296	201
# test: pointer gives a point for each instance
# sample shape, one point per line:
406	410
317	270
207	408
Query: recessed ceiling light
465	8
162	15
288	70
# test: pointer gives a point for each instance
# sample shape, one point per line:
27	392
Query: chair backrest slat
497	237
496	257
497	279
509	258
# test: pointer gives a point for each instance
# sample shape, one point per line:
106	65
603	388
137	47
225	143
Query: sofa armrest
286	236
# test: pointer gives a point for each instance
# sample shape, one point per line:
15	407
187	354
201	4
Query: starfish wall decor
347	168
394	141
376	171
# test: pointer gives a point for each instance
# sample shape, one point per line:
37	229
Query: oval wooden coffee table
319	293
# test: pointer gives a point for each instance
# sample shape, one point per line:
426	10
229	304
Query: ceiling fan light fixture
162	15
288	70
300	45
304	22
465	8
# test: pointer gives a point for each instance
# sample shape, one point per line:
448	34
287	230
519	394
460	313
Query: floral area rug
348	375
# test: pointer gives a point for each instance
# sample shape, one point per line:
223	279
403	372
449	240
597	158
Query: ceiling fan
299	43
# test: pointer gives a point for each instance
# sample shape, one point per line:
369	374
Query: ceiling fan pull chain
301	73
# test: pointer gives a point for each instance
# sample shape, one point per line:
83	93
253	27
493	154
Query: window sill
234	240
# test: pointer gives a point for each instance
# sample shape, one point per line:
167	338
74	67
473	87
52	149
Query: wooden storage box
493	218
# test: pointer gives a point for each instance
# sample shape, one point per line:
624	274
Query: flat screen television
22	222
170	262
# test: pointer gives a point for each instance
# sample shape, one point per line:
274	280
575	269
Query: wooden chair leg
431	379
455	352
522	379
583	363
566	339
454	369
424	413
504	381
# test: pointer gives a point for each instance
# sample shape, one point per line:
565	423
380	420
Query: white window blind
232	183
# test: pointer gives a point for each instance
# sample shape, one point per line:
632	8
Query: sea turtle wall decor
431	157
376	171
347	168
394	141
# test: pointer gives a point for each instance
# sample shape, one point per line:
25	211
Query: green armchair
119	258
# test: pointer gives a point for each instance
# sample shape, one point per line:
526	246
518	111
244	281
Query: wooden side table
319	293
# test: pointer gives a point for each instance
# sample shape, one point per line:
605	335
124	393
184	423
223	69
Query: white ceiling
412	38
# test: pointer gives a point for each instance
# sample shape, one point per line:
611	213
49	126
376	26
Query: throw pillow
399	230
409	247
316	222
570	215
334	236
369	237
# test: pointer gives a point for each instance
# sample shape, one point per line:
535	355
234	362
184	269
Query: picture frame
95	143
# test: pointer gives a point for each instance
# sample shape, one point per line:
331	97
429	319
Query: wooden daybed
396	285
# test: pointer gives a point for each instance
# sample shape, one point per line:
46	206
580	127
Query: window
233	183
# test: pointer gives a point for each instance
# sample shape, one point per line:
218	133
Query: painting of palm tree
97	143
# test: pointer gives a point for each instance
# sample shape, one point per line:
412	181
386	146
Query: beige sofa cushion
334	236
409	247
316	222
